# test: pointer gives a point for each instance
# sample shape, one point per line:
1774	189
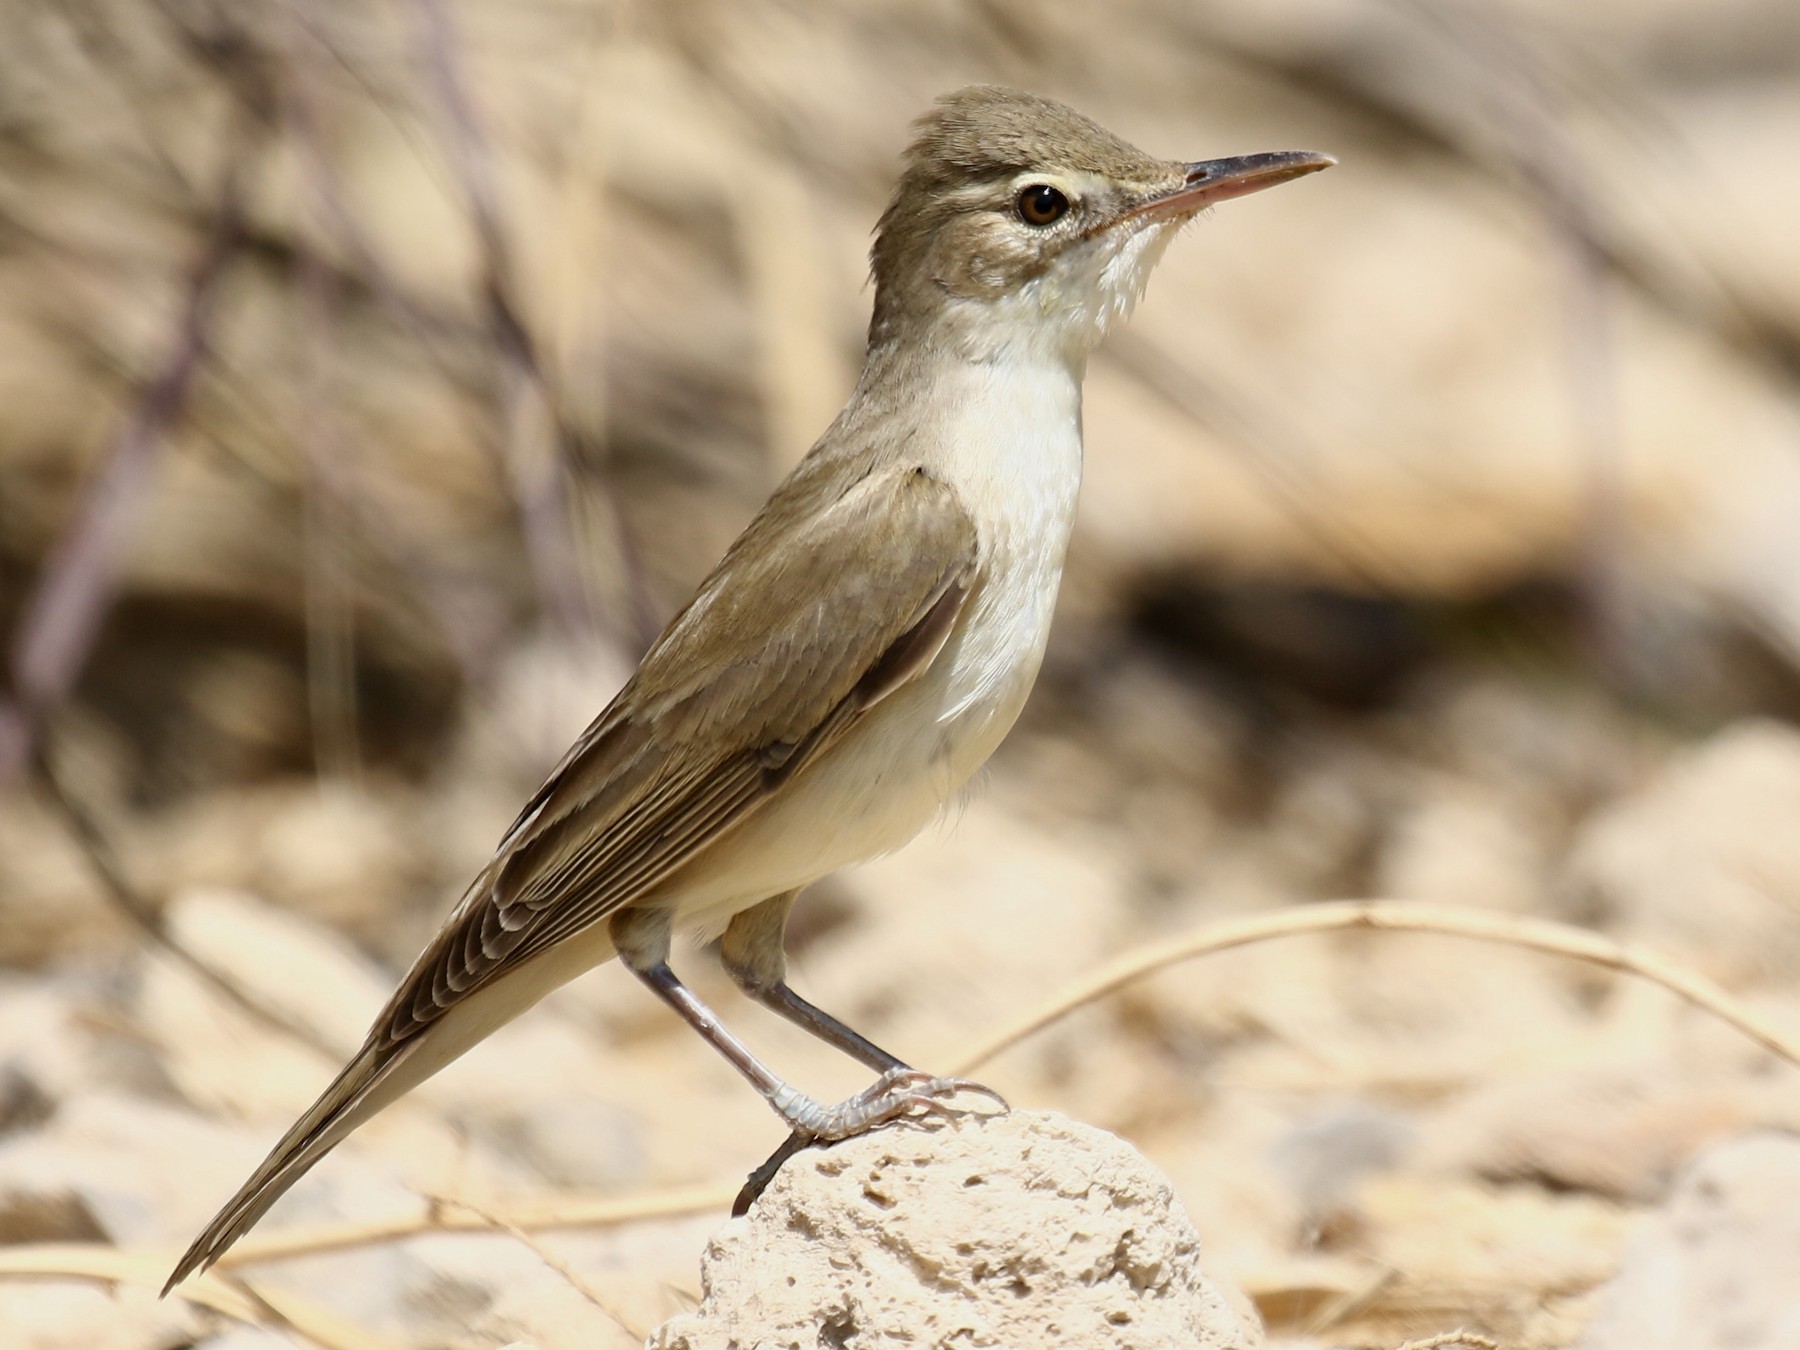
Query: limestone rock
1717	1269
1704	860
1018	1230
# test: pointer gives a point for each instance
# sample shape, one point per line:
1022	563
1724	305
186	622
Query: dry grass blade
146	916
549	1258
99	1261
537	439
566	1212
108	1265
1399	916
1335	1311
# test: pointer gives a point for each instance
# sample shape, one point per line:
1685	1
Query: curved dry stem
556	1264
101	1264
1401	916
146	915
569	1212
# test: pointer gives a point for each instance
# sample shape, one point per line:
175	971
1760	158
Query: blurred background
376	379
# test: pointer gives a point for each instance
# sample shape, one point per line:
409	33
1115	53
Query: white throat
1006	435
1080	297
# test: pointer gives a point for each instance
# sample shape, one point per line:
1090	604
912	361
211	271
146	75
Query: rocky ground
1437	546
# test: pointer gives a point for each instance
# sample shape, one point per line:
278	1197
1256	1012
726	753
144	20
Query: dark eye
1041	204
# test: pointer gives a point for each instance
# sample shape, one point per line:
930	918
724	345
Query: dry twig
561	1212
102	1264
73	592
529	392
146	915
1394	916
548	1257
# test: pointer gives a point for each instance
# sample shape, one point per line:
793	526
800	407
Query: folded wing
799	631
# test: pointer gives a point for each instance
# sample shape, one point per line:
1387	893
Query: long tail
383	1071
377	1076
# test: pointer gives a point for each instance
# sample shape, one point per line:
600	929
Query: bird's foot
896	1095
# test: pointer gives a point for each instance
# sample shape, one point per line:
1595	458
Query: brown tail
382	1071
366	1084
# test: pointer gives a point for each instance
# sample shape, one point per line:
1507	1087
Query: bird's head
1020	223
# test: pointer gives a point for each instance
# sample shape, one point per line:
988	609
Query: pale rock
114	1166
218	1053
1704	862
1003	1231
1620	1133
341	853
1717	1268
69	1315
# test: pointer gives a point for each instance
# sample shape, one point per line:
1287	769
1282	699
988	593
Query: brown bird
858	652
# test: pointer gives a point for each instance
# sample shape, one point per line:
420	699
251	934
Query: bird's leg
753	956
642	939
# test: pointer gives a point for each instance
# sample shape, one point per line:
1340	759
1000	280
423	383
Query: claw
979	1089
896	1095
758	1181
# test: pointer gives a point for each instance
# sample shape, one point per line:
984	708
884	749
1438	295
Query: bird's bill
1216	180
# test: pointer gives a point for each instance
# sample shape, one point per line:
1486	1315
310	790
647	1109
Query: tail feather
365	1085
383	1071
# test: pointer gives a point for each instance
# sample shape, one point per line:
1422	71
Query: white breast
1010	444
1007	437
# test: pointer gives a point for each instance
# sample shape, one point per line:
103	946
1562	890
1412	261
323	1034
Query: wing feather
800	629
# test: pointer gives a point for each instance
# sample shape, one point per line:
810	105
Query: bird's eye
1040	204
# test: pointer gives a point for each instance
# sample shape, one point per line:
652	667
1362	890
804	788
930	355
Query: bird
855	656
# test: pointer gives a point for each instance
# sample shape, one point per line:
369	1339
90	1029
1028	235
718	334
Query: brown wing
800	629
780	653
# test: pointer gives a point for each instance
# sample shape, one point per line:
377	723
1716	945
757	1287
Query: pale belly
894	772
1009	438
